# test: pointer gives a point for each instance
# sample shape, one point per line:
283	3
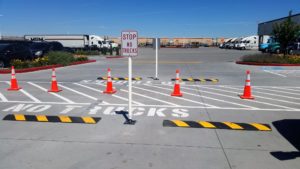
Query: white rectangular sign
129	43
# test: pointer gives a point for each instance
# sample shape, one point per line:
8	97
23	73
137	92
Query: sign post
156	46
129	48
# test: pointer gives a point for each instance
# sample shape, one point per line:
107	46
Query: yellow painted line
41	118
233	125
126	78
206	124
88	120
260	127
138	78
20	117
202	80
180	123
65	119
116	78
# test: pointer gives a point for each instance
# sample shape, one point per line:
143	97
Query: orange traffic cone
247	88
109	85
176	91
13	82
54	87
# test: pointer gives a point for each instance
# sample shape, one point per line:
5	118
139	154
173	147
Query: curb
265	64
33	69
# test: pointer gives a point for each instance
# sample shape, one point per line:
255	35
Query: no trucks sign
129	43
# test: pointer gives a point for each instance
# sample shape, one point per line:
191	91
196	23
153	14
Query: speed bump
53	119
197	80
217	125
120	78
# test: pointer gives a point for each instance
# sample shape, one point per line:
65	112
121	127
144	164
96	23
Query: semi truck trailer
74	41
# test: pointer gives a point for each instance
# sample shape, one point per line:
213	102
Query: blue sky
152	18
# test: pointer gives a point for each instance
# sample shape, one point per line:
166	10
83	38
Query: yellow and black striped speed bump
217	125
120	78
53	119
197	80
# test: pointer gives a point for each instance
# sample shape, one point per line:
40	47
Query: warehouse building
265	28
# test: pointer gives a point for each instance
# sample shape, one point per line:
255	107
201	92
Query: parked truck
85	42
250	42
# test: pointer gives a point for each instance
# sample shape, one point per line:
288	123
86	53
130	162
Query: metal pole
156	58
130	87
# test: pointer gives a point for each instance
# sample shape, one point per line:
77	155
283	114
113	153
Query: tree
286	32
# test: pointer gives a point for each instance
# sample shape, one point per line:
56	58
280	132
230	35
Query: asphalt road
110	144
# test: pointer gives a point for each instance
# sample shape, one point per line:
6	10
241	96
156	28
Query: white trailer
72	41
250	42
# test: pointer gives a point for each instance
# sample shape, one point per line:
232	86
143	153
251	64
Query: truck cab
274	46
264	47
96	41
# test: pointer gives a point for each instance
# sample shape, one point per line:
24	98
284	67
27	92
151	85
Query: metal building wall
266	28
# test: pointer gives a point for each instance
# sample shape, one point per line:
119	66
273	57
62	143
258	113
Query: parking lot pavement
149	144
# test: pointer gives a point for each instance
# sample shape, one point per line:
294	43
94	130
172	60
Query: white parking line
28	95
58	103
152	98
80	93
3	98
289	89
54	94
255	101
113	95
220	99
279	100
279	92
204	107
181	98
276	105
274	73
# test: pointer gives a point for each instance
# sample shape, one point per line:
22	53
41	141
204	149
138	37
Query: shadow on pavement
290	130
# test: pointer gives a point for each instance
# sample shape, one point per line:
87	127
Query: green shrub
83	52
19	64
40	61
63	58
271	58
81	58
294	59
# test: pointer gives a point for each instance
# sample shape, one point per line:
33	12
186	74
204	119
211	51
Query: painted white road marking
251	107
255	101
54	94
274	73
279	100
113	95
30	96
280	92
276	105
152	98
80	93
286	89
58	103
181	98
3	98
